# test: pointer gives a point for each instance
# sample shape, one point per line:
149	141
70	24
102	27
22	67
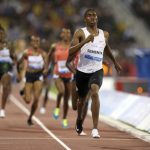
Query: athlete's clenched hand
90	38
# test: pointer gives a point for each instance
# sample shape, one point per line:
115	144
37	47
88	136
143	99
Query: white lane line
116	124
26	111
103	139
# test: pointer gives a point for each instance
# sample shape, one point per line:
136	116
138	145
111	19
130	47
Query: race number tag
41	78
62	67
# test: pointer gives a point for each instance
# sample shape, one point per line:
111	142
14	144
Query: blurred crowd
23	18
142	9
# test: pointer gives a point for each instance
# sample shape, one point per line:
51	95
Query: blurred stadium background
127	21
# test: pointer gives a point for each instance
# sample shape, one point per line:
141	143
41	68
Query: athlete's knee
74	107
6	88
36	96
94	89
27	98
35	103
80	103
61	93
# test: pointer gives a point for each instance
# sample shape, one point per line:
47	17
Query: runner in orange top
62	76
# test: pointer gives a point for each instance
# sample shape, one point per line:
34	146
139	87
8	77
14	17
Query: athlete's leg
46	96
22	73
85	106
95	84
79	119
28	92
6	83
82	87
84	113
47	86
95	105
60	88
65	105
74	95
80	105
37	86
66	98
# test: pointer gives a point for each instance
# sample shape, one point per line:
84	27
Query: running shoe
95	133
56	113
29	121
42	110
2	113
79	127
65	123
22	92
82	134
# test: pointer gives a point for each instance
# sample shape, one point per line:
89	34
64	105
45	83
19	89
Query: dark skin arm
13	56
44	55
51	53
109	53
49	58
69	64
77	42
20	68
24	56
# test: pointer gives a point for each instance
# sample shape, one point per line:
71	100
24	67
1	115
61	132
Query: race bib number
41	78
10	73
62	67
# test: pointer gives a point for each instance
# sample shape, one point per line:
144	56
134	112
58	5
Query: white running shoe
2	113
82	134
42	110
95	133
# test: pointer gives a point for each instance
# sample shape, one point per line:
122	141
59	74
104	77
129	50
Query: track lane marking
26	138
26	111
144	136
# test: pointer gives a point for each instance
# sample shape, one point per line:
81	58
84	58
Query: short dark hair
89	9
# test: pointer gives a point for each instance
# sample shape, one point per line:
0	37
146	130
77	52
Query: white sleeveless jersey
5	56
36	62
91	54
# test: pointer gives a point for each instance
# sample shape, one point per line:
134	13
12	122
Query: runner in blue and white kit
90	42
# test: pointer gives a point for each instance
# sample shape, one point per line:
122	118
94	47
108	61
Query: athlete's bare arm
109	53
45	58
69	63
77	37
24	56
51	53
78	41
12	51
71	67
21	69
